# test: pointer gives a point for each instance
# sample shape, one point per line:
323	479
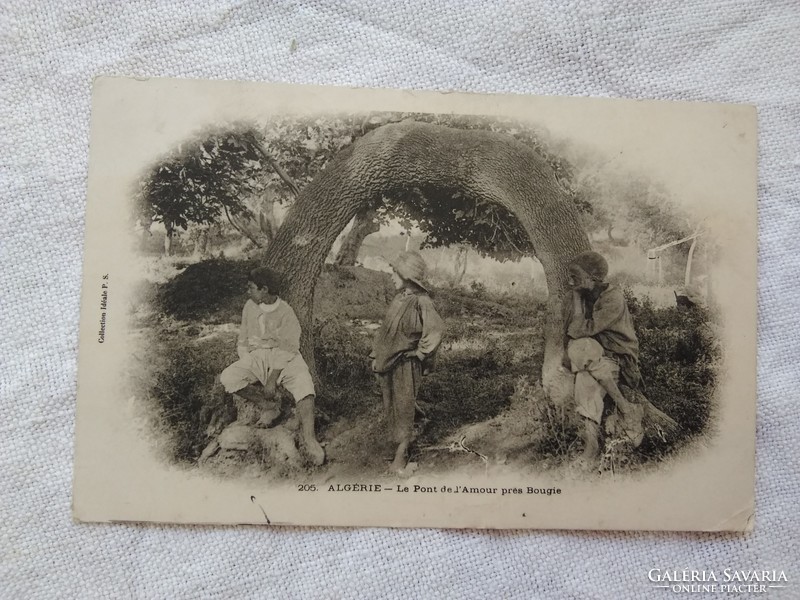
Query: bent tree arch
394	158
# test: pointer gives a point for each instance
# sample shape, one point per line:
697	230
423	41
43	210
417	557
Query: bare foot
590	434
400	458
631	423
315	452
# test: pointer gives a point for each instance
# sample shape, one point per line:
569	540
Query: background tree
364	223
203	181
624	205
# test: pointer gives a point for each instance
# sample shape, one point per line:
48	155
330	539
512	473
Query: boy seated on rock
602	350
269	353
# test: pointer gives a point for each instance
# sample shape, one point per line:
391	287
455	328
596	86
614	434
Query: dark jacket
411	324
606	319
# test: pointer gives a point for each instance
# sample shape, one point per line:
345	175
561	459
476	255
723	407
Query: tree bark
364	223
202	242
460	266
394	159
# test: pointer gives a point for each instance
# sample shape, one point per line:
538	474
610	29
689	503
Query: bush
184	391
211	290
679	356
453	399
557	425
467	386
341	352
478	288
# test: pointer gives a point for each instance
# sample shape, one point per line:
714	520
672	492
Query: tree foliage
303	145
239	172
203	180
449	219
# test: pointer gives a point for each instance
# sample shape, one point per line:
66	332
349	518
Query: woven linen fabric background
733	51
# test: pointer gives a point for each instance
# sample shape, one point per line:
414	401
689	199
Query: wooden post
688	277
651	265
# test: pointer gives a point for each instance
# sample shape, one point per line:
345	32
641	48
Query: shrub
453	399
478	288
679	357
468	386
557	425
184	391
211	290
341	352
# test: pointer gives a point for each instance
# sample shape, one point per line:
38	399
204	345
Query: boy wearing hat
269	353
602	350
403	346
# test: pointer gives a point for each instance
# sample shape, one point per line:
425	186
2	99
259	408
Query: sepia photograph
399	299
325	306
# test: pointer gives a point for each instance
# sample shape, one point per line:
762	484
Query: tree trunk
460	266
201	245
168	241
267	223
687	279
146	235
365	222
397	158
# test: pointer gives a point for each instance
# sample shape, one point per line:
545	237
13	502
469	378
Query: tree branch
241	230
274	164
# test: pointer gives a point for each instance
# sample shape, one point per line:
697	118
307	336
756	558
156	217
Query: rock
278	445
237	436
253	408
239	444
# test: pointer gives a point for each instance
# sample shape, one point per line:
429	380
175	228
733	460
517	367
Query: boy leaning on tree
602	350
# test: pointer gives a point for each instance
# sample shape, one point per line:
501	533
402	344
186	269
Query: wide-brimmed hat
411	266
593	263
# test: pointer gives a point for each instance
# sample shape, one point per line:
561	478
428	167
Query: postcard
347	307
